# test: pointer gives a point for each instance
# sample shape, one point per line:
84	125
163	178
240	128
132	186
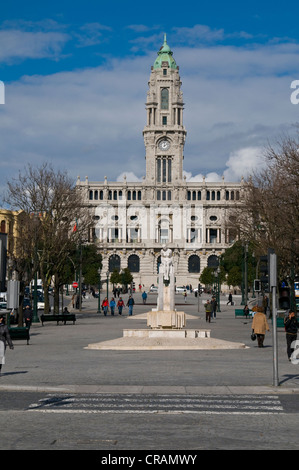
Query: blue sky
76	74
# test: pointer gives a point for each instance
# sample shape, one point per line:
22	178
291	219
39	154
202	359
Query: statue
166	262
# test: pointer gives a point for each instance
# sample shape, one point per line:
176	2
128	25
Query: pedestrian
259	326
144	296
112	306
246	311
130	304
28	316
214	306
185	296
208	309
265	304
291	327
4	338
120	305
230	299
105	304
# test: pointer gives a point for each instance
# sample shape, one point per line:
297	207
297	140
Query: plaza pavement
58	358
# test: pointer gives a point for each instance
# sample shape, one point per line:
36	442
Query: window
164	171
114	263
164	120
134	264
164	235
194	264
164	72
164	168
213	261
159	170
164	98
169	170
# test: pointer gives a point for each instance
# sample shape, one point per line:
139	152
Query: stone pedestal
165	316
164	320
165	300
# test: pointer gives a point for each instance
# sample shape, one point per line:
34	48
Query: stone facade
133	220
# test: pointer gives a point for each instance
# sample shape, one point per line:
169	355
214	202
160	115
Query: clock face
164	144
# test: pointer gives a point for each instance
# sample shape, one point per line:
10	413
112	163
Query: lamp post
35	318
99	298
217	275
107	274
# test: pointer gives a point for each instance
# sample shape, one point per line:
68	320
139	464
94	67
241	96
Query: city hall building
132	220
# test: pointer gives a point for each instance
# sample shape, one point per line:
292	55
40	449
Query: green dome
165	55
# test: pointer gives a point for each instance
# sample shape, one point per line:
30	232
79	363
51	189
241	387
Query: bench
19	333
60	317
239	312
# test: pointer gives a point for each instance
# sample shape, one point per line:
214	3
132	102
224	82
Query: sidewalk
57	358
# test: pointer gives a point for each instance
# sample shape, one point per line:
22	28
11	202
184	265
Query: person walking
259	326
130	304
214	306
208	309
185	296
105	305
28	316
291	327
112	306
4	338
246	311
230	299
120	305
144	296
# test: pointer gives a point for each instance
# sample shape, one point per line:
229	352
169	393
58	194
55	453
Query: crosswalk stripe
150	404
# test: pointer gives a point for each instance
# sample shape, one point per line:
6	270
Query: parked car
195	290
153	289
180	290
40	303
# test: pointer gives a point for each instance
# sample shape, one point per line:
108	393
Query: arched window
114	263
3	226
213	261
194	264
134	263
164	98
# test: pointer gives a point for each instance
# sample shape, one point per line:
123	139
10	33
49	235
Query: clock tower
164	134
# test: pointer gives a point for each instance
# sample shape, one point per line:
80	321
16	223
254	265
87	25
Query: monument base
162	319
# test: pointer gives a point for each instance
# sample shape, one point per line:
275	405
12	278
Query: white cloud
243	162
129	176
17	44
90	121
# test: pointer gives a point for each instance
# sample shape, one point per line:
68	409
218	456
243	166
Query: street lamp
217	275
99	298
37	216
107	274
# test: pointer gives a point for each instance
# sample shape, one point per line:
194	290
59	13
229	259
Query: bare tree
270	214
54	207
